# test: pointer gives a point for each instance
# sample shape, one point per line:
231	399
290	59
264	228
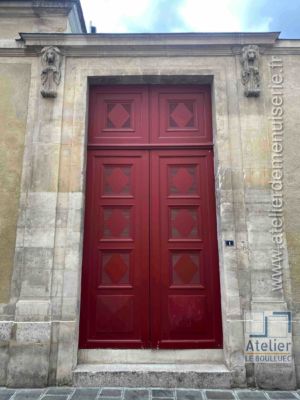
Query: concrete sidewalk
121	393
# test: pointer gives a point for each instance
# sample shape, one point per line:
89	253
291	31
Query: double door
150	266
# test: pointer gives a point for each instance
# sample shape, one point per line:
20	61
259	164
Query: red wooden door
150	266
115	287
184	286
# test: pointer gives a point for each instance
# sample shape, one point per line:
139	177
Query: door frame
97	71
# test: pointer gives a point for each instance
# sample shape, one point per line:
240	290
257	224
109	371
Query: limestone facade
42	180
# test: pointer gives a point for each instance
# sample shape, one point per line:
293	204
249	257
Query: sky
133	16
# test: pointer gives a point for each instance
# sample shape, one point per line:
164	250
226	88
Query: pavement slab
146	393
251	395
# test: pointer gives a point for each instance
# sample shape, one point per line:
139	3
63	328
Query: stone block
5	331
73	257
261	283
62	217
63	200
32	310
260	240
50	126
260	259
4	357
38	237
257	178
152	375
235	342
70	308
57	283
76	177
275	376
233	305
67	352
28	365
259	222
5	336
40	217
70	284
53	353
61	235
45	167
33	332
42	200
75	220
38	257
36	283
76	200
229	257
227	216
74	239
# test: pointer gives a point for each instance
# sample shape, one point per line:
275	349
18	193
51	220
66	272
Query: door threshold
149	356
182	375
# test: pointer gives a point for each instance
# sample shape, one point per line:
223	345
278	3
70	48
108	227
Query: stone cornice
148	39
149	45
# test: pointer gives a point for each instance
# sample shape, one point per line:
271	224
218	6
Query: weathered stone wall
14	89
292	188
10	27
45	295
39	16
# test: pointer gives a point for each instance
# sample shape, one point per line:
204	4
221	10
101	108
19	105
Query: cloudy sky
194	16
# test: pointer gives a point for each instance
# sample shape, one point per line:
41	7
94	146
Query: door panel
118	115
150	263
115	294
180	114
184	270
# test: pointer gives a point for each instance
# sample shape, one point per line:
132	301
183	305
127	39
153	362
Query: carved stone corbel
51	70
250	70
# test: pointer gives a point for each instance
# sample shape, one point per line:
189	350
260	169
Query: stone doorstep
214	376
150	356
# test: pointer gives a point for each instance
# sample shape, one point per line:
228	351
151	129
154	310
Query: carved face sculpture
251	54
50	56
51	74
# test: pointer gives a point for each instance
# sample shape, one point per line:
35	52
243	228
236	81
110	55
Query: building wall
11	26
14	89
292	190
43	212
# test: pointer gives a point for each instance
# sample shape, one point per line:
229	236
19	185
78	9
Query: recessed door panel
118	115
180	114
